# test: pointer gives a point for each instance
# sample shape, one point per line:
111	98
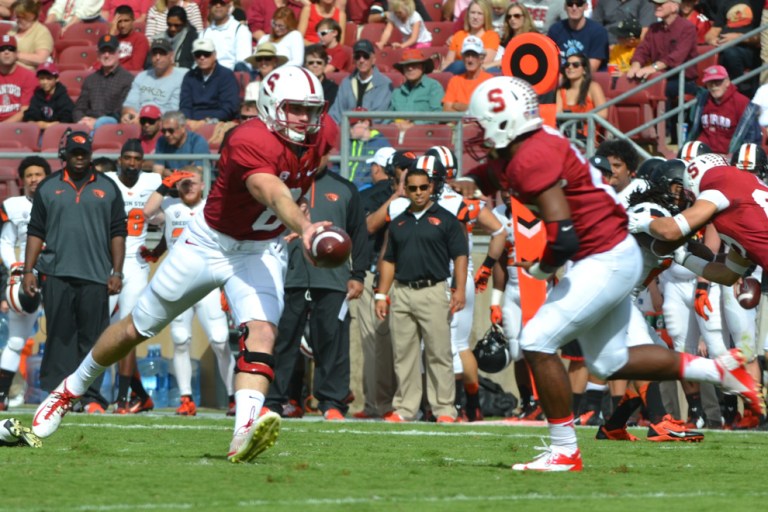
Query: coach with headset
76	245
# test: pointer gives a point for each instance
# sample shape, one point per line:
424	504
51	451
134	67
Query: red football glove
224	302
496	318
701	301
481	278
147	254
175	177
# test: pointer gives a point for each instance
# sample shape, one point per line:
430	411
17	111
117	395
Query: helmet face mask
492	351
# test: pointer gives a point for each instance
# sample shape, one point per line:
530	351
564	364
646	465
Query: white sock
591	386
699	369
9	357
86	373
563	434
182	365
248	403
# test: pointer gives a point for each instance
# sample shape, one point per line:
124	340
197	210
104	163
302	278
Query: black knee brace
257	363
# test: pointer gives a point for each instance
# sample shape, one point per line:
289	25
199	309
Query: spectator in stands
402	16
723	118
69	12
579	34
50	102
609	13
667	44
157	16
366	11
316	61
138	7
544	13
261	12
231	38
35	43
419	93
104	91
578	93
477	23
365	141
732	19
263	61
498	15
209	92
330	37
316	12
366	87
16	82
159	86
249	108
134	47
149	120
627	34
517	21
460	87
182	36
284	35
177	138
689	11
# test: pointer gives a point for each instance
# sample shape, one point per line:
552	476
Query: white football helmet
447	158
19	301
698	167
505	108
692	149
289	87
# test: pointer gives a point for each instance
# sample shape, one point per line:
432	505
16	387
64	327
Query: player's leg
20	327
461	330
213	319
181	336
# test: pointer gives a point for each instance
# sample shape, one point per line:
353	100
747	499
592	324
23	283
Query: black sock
730	408
577	398
123	383
6	379
459	400
623	411
594	399
695	409
615	400
654	405
137	387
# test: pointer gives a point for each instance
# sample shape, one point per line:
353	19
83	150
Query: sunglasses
198	55
576	3
264	59
361	55
324	33
516	15
315	63
575	65
167	130
7	49
218	2
414	188
147	120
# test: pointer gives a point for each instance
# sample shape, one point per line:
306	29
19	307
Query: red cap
150	112
714	73
48	67
8	40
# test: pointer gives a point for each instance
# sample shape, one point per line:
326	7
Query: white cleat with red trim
255	437
48	415
734	377
553	458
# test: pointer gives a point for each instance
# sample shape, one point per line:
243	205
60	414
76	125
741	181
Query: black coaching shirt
423	248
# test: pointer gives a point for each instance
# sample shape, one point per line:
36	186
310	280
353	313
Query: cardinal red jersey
251	149
546	158
742	204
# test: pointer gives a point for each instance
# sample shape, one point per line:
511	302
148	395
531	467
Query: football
748	293
330	247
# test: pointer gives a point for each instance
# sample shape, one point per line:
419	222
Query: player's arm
671	229
8	237
488	221
727	273
153	210
270	191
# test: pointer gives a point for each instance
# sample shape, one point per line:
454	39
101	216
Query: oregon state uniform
135	268
236	242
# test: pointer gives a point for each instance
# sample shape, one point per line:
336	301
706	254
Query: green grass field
165	462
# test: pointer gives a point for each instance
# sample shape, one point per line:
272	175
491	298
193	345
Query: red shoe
121	407
138	405
362	415
264	410
747	422
333	414
590	418
187	407
554	458
530	413
670	429
292	410
445	419
735	378
619	434
393	417
94	408
232	408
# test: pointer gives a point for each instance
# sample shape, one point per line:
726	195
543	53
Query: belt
421	283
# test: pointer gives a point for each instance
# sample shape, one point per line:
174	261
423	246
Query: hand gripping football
330	247
748	293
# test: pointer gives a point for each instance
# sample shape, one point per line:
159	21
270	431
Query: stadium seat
73	81
6	27
77	57
206	132
435	9
442	77
49	143
396	77
62	44
113	136
638	109
704	64
373	31
55	29
386	59
351	61
337	77
389	132
139	26
441	31
9	180
350	34
91	31
421	137
26	134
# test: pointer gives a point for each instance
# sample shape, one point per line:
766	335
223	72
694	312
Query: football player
586	224
15	216
176	213
136	187
266	167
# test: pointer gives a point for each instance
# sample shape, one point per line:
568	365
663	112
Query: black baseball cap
363	45
601	164
404	159
78	140
132	146
628	28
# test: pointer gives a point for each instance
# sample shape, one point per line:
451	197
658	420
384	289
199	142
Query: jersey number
136	222
268	221
761	198
496	98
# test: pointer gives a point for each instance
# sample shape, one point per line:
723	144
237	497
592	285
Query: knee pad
257	363
16	344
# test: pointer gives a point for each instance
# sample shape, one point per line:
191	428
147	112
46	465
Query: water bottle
3	330
154	376
174	395
683	133
35	394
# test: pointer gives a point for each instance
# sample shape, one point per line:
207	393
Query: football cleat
619	434
735	378
747	422
292	410
94	408
445	419
121	407
13	433
187	407
669	430
232	409
138	405
590	418
333	414
474	414
393	417
50	412
553	458
530	412
255	437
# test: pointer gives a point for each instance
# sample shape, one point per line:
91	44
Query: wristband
28	271
735	267
496	296
163	190
695	264
118	275
702	286
381	296
489	262
682	223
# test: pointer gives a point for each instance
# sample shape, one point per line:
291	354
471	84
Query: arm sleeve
57	9
642	53
38	218
132	100
358	232
436	94
83	101
64	113
185	99
685	44
28	91
118	224
8	237
139	55
154	24
457	240
200	146
255	16
295	43
450	91
390	254
33	113
646	15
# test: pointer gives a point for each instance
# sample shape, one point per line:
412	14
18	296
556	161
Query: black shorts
572	351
